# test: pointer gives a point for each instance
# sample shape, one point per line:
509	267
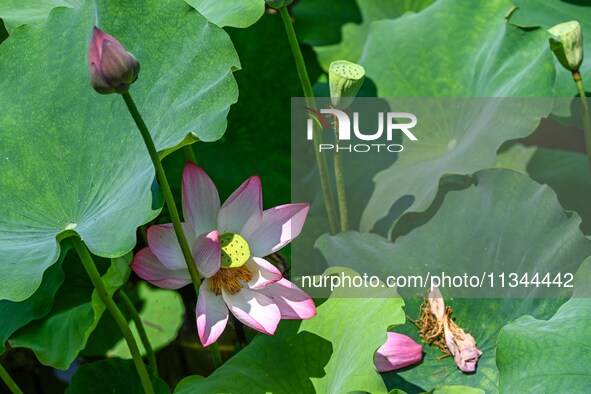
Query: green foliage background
219	75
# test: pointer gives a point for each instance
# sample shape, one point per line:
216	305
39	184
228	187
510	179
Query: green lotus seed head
278	3
234	250
345	80
567	44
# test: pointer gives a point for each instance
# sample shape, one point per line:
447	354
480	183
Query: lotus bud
276	4
112	68
398	352
345	80
567	44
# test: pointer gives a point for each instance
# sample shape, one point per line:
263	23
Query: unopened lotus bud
398	352
567	44
345	80
112	68
276	4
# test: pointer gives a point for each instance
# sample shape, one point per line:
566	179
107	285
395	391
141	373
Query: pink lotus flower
228	246
112	68
398	352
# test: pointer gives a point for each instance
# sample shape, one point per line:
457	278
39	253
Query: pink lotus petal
280	225
147	266
253	309
206	253
398	352
291	300
98	81
95	51
263	273
201	201
212	315
243	208
165	245
113	64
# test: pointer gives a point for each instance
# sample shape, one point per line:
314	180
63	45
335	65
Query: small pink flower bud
112	68
398	352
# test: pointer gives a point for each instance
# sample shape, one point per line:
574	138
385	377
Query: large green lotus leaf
17	12
162	314
458	51
330	353
471	230
481	56
547	13
18	314
113	376
564	171
354	35
223	13
62	334
549	355
506	221
230	13
73	159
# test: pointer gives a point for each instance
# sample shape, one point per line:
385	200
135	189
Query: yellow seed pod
234	250
567	44
345	80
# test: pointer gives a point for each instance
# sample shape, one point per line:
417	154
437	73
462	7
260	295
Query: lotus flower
398	352
112	68
229	244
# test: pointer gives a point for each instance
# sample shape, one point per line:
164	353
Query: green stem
95	277
586	116
298	57
216	355
340	181
311	102
12	386
140	329
190	153
174	213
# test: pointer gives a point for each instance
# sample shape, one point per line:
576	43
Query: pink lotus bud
112	68
398	352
